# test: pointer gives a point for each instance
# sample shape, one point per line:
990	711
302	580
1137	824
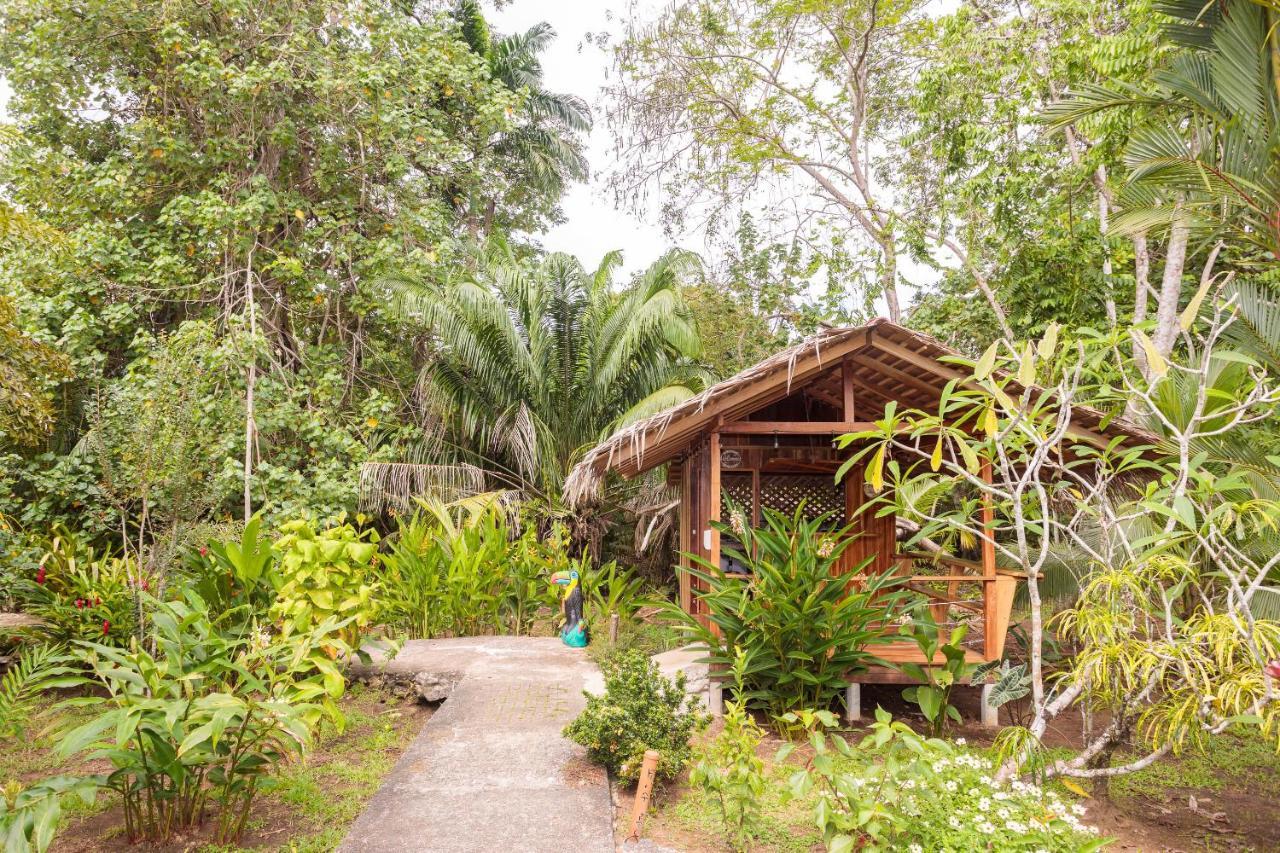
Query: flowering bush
79	595
896	790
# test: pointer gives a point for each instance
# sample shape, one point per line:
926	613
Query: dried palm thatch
879	349
396	485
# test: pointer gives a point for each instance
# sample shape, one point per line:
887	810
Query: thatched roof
891	362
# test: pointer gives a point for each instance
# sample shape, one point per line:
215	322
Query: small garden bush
488	574
80	594
731	772
326	575
640	710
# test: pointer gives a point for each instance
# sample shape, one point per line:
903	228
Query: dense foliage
640	709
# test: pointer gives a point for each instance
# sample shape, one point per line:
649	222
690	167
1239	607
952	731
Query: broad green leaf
983	368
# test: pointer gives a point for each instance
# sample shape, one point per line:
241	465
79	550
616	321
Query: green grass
1241	758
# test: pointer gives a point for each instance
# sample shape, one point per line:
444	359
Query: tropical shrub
326	577
803	629
487	574
230	575
933	692
640	710
609	590
207	715
443	579
896	790
79	594
730	771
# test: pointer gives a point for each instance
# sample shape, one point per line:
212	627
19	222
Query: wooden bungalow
764	438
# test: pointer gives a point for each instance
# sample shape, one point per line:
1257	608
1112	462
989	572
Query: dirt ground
1227	800
308	807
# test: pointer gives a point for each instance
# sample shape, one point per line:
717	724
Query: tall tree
725	104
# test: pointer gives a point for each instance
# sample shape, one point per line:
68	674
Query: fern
38	668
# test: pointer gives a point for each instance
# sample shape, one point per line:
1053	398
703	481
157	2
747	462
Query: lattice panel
736	488
820	493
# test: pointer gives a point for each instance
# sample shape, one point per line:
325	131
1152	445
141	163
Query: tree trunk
889	278
1175	260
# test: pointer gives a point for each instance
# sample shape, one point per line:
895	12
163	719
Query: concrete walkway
490	771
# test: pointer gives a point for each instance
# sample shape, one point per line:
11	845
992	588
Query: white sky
572	64
593	225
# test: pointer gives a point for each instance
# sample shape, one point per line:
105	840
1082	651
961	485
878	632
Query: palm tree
1208	158
542	152
535	361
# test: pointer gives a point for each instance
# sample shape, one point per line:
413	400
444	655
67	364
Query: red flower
106	626
40	575
97	602
204	552
79	603
1273	669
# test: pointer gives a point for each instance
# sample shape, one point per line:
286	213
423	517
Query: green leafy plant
445	577
730	771
326	577
232	574
29	814
640	710
897	790
933	694
1012	683
207	715
609	590
803	628
37	668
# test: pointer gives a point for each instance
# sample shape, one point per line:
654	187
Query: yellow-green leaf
1189	313
1073	787
1049	343
1027	367
935	461
875	469
1155	361
983	368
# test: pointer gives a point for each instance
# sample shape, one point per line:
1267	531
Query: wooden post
846	381
990	641
714	514
644	791
613	629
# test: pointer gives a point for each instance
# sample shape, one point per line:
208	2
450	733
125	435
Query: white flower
960	741
1078	810
1002	813
915	848
940	765
984	804
987	827
909	784
955	822
951	785
1014	826
1001	795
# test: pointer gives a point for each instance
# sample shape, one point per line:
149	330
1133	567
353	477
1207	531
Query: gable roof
895	363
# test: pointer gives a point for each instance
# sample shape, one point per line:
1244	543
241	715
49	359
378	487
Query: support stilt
990	715
715	697
852	703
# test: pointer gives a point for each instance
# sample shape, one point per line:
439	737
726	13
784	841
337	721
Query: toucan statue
574	632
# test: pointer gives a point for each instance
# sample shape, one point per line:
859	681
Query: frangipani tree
1167	641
